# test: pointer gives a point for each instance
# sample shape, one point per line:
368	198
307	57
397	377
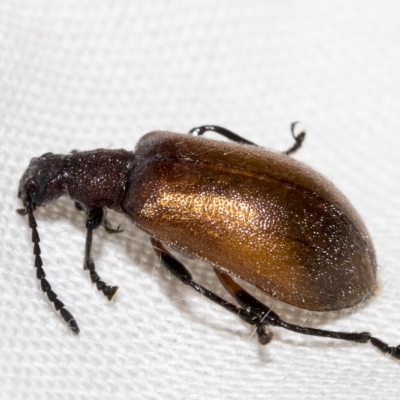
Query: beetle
251	213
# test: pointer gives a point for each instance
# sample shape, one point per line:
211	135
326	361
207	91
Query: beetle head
43	181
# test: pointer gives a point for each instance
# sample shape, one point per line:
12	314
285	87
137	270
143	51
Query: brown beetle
252	213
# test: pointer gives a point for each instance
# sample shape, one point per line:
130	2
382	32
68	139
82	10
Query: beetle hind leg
298	138
253	311
221	131
268	317
94	219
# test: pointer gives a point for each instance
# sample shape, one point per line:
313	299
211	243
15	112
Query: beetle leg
247	301
256	313
94	219
299	139
268	317
109	228
222	131
177	269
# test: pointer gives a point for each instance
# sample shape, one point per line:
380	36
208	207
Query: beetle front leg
107	226
95	218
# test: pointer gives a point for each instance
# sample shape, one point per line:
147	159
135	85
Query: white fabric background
90	74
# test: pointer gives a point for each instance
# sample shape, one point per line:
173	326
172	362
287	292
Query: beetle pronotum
251	213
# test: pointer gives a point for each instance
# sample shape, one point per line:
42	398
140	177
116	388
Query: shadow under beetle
251	213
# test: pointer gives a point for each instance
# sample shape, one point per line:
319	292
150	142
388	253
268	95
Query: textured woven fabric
90	74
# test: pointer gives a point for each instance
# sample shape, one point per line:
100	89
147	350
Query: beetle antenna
40	274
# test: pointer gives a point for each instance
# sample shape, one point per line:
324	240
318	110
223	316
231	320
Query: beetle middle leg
178	270
268	317
95	218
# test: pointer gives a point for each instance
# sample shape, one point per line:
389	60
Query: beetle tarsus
385	348
110	229
110	292
299	139
264	337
